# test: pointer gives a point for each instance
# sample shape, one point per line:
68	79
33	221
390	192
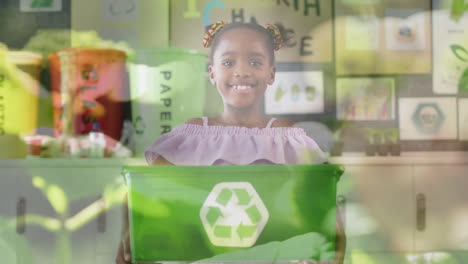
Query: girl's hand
124	254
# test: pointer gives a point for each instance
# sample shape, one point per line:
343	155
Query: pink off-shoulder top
205	145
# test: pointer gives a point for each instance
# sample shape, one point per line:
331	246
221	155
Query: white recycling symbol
233	215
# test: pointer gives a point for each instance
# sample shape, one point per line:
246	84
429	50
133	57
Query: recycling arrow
233	215
253	214
243	196
246	231
224	196
213	214
222	231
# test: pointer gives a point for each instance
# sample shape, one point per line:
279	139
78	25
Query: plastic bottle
97	142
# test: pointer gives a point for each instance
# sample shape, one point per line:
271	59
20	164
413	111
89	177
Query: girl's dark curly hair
270	40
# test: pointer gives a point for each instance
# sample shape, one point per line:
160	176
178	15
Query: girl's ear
211	73
272	75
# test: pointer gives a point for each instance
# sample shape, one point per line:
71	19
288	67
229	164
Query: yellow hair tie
276	34
210	33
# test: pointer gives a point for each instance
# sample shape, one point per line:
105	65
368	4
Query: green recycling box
232	213
167	88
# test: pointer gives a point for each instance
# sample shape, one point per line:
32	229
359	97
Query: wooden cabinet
63	225
379	213
444	189
406	207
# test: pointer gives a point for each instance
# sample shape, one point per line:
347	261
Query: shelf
405	158
348	158
71	163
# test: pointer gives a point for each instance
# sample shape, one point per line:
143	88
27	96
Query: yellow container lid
24	57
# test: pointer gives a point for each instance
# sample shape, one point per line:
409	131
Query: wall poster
450	53
301	17
382	37
408	33
365	98
295	93
428	118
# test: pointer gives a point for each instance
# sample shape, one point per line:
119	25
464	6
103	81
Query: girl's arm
340	235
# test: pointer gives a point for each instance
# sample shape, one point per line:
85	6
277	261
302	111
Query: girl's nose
242	71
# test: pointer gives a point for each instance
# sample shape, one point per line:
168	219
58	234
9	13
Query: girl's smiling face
241	68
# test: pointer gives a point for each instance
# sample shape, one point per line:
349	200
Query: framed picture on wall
295	93
382	37
407	33
428	118
365	98
450	53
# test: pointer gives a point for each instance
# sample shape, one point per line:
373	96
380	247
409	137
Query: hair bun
210	33
277	35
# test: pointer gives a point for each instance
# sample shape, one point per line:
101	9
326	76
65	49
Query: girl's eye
255	63
227	63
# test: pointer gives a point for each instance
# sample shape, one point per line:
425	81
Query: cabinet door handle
21	215
420	212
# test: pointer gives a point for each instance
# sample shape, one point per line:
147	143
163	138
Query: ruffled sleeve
189	144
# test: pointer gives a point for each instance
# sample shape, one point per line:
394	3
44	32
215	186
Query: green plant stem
91	211
63	247
48	223
85	215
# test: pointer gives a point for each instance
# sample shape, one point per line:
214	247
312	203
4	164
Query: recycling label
233	215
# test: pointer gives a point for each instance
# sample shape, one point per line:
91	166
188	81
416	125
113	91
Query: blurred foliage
57	199
48	41
458	9
13	247
310	246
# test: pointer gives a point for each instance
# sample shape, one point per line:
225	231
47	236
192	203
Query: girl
241	66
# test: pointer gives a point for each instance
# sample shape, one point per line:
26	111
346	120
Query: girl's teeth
241	87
